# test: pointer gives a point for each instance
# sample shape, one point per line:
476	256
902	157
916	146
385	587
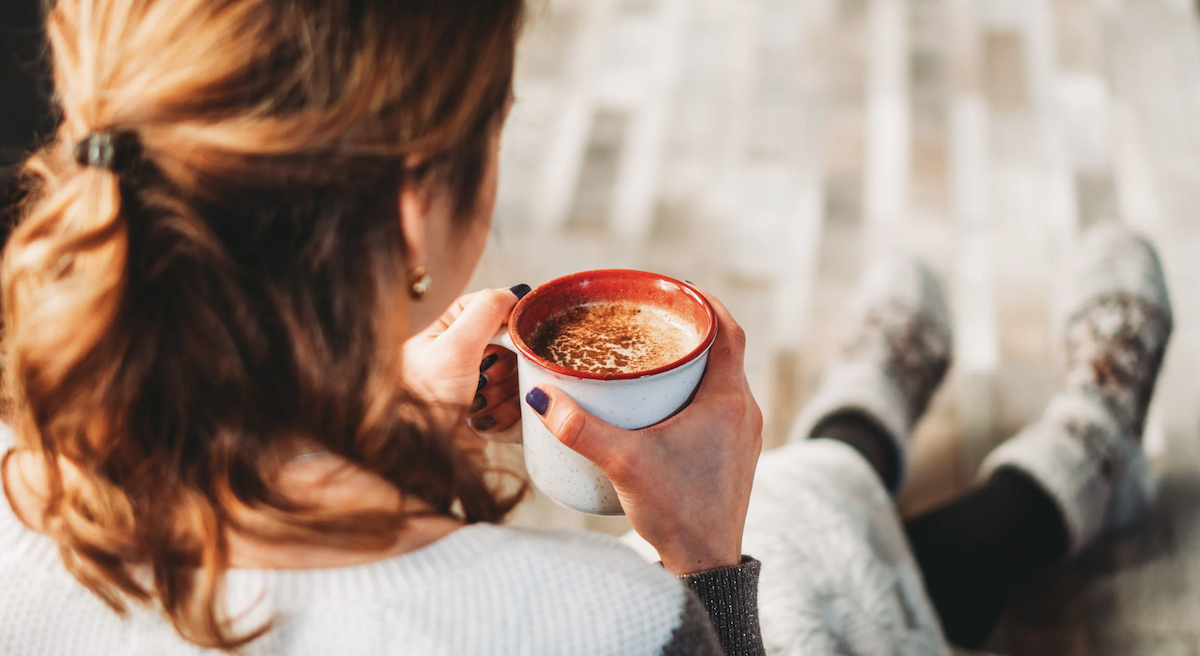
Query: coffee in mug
628	346
613	338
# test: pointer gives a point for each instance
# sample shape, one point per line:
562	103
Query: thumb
480	319
580	430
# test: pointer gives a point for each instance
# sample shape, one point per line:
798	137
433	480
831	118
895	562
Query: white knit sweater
837	579
482	590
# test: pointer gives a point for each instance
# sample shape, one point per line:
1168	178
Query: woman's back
484	589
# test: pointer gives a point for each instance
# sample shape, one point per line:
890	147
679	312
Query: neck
327	482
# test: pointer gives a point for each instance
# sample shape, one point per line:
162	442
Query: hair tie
112	150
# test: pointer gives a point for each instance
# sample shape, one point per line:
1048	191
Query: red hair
241	280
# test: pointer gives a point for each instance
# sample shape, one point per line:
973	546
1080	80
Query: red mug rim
710	334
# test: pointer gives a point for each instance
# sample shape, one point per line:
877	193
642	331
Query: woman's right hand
684	483
451	365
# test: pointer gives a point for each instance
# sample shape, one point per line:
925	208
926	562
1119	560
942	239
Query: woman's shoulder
579	558
571	546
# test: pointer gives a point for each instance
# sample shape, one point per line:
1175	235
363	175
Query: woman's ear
415	209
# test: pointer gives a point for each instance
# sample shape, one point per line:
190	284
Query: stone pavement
766	149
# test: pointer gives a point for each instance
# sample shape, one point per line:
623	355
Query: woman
238	380
249	208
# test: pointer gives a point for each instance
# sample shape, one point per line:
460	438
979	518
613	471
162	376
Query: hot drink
613	338
629	346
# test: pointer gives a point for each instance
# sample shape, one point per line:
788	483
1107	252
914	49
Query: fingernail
520	290
538	400
488	362
689	282
482	383
484	423
478	403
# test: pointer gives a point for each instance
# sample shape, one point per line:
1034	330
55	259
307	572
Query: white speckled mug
626	400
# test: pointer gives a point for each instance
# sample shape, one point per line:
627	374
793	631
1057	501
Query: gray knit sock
897	353
1115	319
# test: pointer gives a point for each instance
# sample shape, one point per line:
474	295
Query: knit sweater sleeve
724	599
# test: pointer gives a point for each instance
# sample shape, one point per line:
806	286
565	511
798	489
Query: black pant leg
975	549
868	438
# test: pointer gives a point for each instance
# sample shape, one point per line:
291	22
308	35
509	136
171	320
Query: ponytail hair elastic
114	150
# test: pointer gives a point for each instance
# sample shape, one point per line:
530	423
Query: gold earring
418	283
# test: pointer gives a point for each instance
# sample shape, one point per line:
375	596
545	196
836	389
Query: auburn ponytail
173	313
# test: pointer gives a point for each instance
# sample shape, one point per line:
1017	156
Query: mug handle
512	434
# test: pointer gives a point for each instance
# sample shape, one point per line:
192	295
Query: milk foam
614	338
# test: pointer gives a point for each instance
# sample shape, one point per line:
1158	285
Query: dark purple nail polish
488	362
482	383
520	290
538	400
484	423
478	403
689	282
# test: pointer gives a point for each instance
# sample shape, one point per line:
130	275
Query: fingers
597	440
449	316
495	407
731	339
493	395
727	355
498	364
482	315
496	418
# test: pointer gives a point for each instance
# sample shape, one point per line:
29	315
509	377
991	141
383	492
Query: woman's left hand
451	364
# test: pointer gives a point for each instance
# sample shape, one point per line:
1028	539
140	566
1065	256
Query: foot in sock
897	353
1114	349
1115	320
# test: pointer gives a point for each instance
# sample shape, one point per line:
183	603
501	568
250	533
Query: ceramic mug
626	400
